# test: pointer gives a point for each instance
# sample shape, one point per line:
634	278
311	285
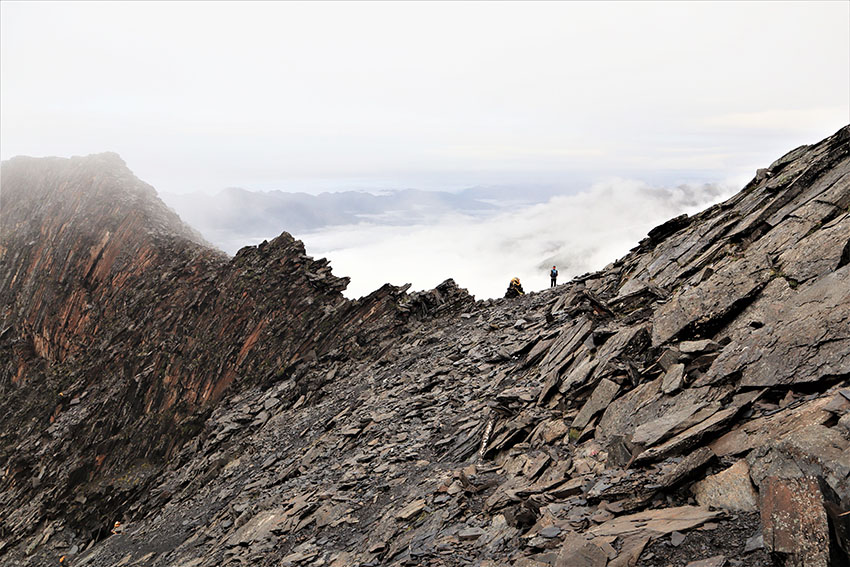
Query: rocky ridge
687	405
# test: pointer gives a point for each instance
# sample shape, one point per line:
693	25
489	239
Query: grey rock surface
242	412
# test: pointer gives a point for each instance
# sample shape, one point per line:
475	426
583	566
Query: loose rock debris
686	405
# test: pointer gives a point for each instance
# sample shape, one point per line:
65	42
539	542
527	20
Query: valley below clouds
479	237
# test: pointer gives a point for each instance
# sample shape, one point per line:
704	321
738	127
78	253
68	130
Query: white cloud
578	233
780	120
204	95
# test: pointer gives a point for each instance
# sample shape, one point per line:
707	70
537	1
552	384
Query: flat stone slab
411	510
760	431
651	432
564	346
603	395
689	437
620	416
686	467
673	379
577	551
805	341
550	532
470	534
701	305
657	522
817	254
257	528
705	345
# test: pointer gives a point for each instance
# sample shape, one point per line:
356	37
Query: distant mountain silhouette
238	215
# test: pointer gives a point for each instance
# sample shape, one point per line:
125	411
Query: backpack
553	273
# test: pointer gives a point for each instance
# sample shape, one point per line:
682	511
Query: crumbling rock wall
687	405
121	330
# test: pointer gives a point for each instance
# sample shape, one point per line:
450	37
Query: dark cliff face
241	411
121	329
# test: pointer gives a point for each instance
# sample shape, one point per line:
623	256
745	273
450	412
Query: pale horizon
200	96
627	113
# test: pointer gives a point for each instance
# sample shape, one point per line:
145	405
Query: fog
324	96
331	96
578	233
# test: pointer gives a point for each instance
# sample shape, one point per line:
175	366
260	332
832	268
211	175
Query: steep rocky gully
687	405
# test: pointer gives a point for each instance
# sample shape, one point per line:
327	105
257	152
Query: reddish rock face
102	266
107	298
794	519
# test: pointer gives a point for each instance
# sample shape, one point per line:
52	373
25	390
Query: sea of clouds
578	233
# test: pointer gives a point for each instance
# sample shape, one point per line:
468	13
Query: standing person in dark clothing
554	276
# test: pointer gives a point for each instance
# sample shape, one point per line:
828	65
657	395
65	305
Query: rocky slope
687	405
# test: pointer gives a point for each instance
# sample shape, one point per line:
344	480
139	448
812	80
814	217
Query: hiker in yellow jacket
514	289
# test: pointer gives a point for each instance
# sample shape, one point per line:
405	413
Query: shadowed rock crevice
845	256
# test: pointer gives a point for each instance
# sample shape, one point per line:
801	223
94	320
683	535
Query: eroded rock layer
687	405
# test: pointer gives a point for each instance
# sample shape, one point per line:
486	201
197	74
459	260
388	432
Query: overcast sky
200	96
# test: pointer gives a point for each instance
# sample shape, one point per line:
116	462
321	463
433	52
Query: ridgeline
162	404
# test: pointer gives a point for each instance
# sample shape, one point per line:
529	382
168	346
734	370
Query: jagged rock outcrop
122	330
687	405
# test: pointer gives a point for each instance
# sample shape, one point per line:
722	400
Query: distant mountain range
238	215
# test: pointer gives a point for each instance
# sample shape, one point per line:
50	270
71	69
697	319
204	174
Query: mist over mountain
235	217
480	236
